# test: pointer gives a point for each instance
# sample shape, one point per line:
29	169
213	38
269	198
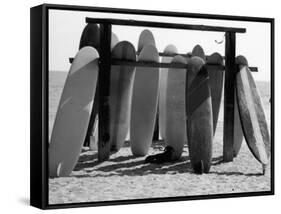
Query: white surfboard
146	38
144	102
170	49
91	37
175	128
121	85
73	113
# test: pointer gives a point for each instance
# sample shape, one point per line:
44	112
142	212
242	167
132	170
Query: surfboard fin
59	169
264	168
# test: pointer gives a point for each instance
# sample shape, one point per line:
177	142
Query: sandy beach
124	176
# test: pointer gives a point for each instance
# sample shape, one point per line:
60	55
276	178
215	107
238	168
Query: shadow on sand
237	173
139	168
129	166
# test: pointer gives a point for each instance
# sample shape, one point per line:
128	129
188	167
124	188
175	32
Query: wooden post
104	84
229	87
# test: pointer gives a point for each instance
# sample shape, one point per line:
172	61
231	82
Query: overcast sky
65	28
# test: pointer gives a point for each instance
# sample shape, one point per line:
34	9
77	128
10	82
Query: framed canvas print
136	106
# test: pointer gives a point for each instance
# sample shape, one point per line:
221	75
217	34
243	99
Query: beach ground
124	176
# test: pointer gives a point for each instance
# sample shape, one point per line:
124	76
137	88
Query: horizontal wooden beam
175	54
254	69
160	65
130	22
155	64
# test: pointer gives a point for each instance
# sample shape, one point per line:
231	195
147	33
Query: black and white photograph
144	106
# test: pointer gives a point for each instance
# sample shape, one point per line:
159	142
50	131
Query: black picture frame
39	103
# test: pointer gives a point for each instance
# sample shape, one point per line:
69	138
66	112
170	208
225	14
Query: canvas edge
39	104
38	108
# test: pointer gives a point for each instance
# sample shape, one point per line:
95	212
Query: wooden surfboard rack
105	63
161	64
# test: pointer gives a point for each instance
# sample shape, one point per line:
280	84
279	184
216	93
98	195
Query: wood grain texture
252	115
199	116
238	132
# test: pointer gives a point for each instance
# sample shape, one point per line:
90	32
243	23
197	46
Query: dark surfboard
199	115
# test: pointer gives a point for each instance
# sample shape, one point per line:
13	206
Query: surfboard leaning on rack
144	99
252	114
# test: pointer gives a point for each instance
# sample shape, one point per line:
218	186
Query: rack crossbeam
161	65
166	25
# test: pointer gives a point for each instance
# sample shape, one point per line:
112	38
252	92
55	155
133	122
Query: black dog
166	156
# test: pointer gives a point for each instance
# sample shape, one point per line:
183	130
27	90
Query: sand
127	177
124	176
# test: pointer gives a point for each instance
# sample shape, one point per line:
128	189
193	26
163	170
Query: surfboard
114	40
199	115
144	102
90	36
170	49
73	113
216	79
216	75
146	37
252	115
238	132
175	128
198	51
121	85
